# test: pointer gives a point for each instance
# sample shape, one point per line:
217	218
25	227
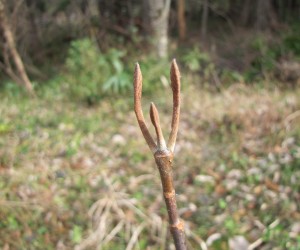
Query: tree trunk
204	19
181	19
246	12
158	17
265	15
35	34
8	36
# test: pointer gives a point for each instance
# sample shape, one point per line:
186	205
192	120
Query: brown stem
164	161
163	155
204	19
8	35
181	19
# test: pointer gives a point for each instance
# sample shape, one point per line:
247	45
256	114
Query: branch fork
162	151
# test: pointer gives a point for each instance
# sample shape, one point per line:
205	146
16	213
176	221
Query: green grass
67	169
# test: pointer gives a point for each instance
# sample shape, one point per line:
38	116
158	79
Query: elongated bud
156	123
175	77
175	84
137	83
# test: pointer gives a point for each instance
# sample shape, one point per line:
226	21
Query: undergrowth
75	176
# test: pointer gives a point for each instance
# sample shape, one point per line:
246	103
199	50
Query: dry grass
73	176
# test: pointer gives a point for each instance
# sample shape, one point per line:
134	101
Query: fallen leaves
237	172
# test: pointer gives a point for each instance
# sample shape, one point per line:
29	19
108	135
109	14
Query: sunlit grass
237	170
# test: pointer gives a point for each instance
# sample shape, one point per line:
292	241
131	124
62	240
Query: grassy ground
73	176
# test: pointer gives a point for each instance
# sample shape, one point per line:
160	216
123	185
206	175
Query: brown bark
204	19
246	12
265	15
8	36
158	21
181	19
164	162
35	34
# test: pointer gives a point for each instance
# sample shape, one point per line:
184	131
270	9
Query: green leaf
76	234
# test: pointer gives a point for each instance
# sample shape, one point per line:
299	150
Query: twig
255	244
135	236
290	118
114	232
163	155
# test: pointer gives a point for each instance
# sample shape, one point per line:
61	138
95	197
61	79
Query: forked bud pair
175	84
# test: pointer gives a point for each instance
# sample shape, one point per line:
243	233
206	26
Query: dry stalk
163	153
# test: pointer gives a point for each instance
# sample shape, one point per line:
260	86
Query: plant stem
164	161
163	154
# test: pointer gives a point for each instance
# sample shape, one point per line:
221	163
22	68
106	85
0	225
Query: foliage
264	60
101	71
91	73
196	60
12	90
200	62
291	40
156	73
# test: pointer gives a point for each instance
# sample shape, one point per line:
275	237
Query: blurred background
75	171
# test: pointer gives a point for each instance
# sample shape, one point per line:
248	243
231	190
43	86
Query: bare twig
135	236
163	155
9	38
255	244
290	118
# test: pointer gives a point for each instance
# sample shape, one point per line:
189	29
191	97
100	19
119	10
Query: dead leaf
238	242
271	185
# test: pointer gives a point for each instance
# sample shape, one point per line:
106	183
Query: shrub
292	43
157	74
91	73
195	60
